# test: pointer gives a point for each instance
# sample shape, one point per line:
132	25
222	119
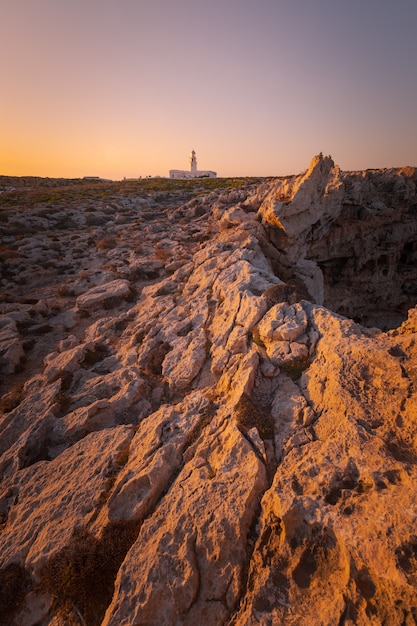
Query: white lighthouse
193	172
193	163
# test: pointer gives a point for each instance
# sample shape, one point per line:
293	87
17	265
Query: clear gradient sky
127	88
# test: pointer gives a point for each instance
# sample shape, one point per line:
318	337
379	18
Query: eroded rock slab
53	498
192	551
102	293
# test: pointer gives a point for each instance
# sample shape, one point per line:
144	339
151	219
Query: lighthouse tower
193	172
193	163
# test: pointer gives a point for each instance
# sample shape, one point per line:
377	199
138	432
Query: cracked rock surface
209	409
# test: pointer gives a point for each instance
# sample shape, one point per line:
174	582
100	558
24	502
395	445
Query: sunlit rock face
208	401
349	237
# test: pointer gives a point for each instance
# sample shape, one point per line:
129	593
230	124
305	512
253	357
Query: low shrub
108	243
250	415
83	573
295	368
12	399
65	291
257	337
14	584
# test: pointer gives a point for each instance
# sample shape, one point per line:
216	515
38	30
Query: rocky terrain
209	409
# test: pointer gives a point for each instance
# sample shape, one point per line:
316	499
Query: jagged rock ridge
192	437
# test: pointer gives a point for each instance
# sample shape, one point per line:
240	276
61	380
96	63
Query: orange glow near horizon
129	89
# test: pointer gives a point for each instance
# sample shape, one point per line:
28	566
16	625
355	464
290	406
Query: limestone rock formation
348	237
209	409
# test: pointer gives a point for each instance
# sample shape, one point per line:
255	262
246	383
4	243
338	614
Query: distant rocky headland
208	400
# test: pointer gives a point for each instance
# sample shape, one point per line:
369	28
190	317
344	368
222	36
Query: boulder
98	295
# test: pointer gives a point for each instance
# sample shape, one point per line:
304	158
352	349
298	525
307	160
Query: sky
127	88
